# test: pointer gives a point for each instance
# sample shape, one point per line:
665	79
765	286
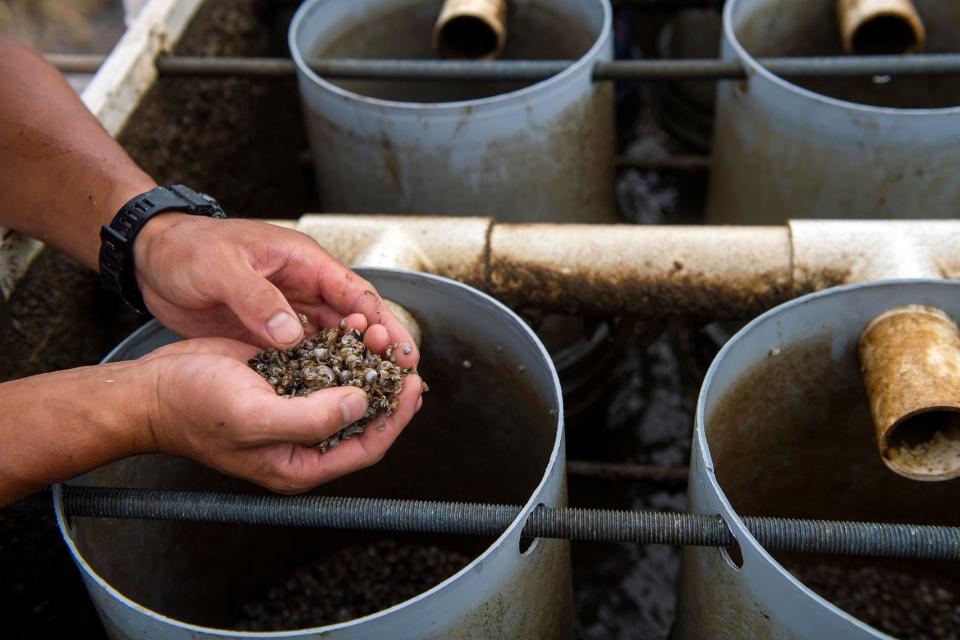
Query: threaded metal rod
776	534
531	70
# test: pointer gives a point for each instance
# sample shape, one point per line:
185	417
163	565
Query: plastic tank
521	152
490	431
844	148
783	428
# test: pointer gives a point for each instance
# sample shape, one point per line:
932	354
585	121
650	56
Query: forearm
58	425
61	175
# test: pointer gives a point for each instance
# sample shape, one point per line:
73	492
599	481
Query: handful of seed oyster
334	358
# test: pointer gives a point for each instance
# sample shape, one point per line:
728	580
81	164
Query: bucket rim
729	514
754	67
534	499
578	67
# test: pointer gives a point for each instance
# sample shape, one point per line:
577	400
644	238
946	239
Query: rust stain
674	290
911	365
810	278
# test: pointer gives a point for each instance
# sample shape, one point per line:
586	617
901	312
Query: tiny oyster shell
333	357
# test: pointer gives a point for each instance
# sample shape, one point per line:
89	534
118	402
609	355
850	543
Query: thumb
312	418
260	306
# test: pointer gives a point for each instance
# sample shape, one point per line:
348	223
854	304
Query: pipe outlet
471	29
873	27
910	358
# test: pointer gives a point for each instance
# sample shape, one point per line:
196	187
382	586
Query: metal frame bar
532	70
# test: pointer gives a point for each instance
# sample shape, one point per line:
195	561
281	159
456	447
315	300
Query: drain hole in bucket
733	555
884	35
467	37
528	545
926	443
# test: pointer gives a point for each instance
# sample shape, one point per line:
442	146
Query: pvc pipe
471	29
880	26
716	272
910	358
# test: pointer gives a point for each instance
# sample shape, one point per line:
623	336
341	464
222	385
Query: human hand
243	279
208	405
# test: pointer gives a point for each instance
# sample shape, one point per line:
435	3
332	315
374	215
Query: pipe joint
828	253
691	271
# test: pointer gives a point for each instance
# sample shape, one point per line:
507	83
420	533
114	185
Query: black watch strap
116	239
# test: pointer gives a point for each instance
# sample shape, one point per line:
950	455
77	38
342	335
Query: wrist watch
117	271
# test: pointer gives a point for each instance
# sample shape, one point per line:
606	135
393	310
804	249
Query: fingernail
284	328
352	407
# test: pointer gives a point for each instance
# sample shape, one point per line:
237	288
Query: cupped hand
208	405
243	279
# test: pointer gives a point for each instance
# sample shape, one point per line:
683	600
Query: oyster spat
334	358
